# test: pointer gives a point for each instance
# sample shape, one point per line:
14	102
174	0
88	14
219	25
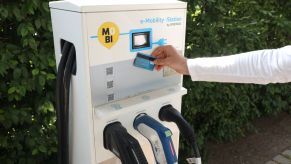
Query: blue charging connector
159	136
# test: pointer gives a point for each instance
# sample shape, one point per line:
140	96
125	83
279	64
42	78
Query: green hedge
223	112
27	83
217	111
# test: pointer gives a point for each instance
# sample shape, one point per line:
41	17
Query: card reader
144	61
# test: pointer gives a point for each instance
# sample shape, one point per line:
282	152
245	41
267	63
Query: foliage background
219	112
223	112
27	82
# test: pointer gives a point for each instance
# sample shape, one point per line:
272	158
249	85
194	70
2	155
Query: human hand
168	56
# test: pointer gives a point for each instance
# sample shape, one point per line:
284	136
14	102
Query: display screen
141	40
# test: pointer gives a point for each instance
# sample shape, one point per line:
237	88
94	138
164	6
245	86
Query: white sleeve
259	67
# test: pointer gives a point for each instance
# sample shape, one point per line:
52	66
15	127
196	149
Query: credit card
144	61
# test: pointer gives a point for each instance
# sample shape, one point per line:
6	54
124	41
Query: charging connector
170	114
159	136
122	144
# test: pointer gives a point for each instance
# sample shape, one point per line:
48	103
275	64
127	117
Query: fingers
160	62
158	52
159	67
161	57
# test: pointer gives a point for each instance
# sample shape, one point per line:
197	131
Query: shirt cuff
191	69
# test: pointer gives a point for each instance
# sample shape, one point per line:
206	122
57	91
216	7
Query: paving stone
281	159
271	162
287	153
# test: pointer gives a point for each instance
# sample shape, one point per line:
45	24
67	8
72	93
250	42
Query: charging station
113	79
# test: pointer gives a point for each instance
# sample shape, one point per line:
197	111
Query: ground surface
272	139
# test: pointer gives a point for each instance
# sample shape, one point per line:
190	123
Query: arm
260	67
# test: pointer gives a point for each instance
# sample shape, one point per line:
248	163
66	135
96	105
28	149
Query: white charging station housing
107	35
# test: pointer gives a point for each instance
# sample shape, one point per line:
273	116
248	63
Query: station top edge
116	5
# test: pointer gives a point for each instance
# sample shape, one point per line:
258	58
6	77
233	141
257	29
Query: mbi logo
108	34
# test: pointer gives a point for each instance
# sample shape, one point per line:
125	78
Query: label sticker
108	34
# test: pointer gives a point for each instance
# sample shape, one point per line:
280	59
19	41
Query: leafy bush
27	82
223	112
217	111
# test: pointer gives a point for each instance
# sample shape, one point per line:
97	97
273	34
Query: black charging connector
170	114
122	144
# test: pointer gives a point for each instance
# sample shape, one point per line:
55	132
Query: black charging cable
66	68
170	114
